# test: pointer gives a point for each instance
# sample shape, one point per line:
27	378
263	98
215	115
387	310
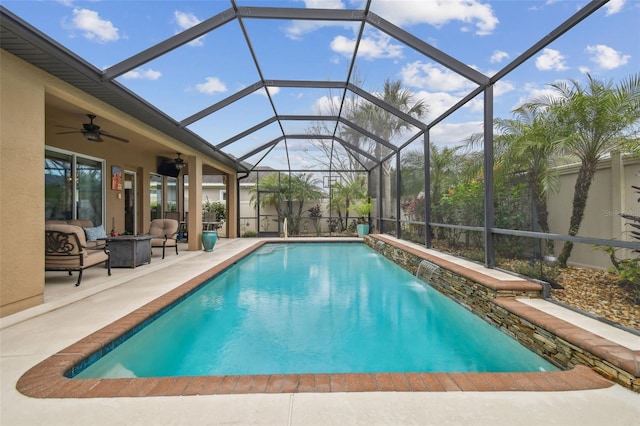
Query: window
73	187
155	196
223	195
172	194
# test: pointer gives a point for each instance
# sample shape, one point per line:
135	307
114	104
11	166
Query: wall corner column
194	224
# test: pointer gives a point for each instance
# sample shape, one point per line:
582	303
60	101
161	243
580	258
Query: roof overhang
27	43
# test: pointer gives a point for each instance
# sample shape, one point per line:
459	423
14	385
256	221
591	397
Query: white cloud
141	74
433	77
94	27
297	29
613	7
212	85
324	4
454	134
607	57
185	21
534	92
343	45
375	46
498	56
438	102
273	90
501	87
549	60
327	105
584	70
439	13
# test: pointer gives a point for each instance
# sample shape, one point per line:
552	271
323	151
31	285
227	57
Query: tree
591	122
526	147
388	126
442	169
343	195
345	162
290	193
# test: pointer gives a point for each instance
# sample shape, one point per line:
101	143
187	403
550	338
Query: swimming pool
314	308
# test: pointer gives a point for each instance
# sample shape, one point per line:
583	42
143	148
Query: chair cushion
70	229
94	257
162	227
95	233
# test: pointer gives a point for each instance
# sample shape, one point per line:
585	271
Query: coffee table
129	251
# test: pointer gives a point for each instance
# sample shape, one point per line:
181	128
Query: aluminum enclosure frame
26	42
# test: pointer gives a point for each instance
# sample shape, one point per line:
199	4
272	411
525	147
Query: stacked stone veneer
494	300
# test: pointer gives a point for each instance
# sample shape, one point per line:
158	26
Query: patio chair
66	250
164	233
172	215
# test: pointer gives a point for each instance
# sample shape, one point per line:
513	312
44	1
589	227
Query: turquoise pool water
315	308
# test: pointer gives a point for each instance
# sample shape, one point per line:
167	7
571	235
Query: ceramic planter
363	230
209	239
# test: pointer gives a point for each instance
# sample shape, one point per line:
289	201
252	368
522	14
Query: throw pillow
96	233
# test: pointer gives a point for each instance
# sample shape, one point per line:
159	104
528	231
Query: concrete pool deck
70	314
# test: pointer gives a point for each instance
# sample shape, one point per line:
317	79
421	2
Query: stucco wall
610	193
32	109
21	185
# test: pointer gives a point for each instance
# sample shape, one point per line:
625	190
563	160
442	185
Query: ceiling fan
179	162
93	133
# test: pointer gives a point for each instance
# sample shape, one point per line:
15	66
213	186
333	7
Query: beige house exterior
33	106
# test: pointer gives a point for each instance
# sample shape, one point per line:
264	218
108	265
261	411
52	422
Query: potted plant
362	210
219	212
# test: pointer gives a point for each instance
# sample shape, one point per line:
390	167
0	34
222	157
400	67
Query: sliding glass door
74	187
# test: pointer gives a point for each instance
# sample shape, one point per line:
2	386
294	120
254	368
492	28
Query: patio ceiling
274	132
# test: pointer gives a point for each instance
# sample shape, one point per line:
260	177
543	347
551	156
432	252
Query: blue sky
485	35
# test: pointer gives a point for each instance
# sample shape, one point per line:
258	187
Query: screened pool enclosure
429	139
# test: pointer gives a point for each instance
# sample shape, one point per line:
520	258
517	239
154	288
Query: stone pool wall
494	300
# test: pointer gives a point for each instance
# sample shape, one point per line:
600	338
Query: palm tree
592	121
526	147
269	182
304	188
443	168
343	195
412	172
387	126
288	190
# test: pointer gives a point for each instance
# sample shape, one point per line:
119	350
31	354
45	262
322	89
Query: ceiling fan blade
118	138
66	133
67	127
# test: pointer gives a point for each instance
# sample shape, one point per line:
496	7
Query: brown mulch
590	290
598	293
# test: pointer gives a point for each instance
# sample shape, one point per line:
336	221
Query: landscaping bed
590	290
598	293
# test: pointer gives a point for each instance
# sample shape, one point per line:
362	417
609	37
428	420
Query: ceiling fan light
179	162
92	136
